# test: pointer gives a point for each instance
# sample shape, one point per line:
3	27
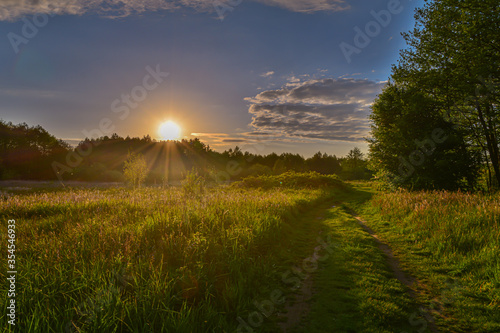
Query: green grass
194	259
150	260
355	289
292	179
450	242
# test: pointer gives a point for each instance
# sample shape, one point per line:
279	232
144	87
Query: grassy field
355	289
451	243
246	258
186	259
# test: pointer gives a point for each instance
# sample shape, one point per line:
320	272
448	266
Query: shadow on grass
355	290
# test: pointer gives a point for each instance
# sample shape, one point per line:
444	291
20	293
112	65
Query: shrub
291	179
193	184
135	169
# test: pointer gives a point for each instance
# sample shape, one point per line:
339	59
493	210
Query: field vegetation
185	259
451	242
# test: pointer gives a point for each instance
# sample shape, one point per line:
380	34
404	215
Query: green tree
135	169
324	164
279	167
454	58
413	146
354	165
27	152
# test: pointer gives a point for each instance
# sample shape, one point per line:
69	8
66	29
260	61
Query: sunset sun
169	131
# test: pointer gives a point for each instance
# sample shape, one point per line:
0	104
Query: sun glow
169	131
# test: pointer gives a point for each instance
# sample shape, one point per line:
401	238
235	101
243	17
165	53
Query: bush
292	179
135	170
193	184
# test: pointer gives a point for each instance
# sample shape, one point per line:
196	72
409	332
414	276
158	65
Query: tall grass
447	236
148	260
291	179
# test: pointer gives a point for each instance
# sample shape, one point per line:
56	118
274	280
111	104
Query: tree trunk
492	143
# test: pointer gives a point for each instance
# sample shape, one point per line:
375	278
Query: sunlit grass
148	260
452	242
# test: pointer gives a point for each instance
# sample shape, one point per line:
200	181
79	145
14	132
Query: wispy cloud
11	10
14	9
267	74
326	109
309	6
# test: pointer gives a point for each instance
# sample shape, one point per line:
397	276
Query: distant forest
31	153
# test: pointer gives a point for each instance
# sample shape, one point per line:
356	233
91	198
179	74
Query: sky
267	75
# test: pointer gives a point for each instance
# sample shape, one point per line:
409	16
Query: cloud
309	6
326	109
214	139
14	9
268	74
11	10
234	140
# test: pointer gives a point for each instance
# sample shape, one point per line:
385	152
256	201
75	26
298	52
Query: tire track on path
408	280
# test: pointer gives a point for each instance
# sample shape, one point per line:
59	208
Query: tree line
32	153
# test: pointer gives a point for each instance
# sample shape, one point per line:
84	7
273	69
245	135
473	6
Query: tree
414	146
354	158
354	166
454	58
27	152
279	167
135	169
324	164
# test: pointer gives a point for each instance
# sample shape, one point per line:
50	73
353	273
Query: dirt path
408	280
297	309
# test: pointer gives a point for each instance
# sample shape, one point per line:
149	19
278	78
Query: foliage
415	146
103	160
355	166
291	179
453	62
147	260
256	170
193	184
135	169
26	152
324	164
449	239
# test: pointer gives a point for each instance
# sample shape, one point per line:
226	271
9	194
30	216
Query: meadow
180	259
197	258
450	241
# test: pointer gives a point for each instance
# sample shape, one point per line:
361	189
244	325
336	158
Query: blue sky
269	76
